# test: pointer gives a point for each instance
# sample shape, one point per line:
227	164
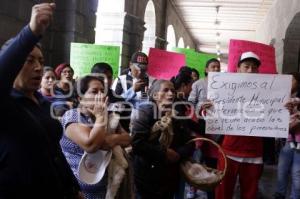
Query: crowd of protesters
59	133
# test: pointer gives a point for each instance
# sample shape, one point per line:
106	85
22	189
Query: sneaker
292	145
298	146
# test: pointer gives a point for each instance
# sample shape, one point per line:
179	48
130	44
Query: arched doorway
150	25
171	39
291	56
180	43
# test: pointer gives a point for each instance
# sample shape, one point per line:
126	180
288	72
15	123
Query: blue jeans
288	163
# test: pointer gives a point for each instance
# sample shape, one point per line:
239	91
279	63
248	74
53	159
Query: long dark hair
184	77
296	76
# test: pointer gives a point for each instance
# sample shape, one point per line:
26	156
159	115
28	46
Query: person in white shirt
133	86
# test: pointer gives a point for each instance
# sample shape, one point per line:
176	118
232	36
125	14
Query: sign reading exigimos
248	104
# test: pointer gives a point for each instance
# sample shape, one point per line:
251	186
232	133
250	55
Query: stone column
133	36
74	21
14	15
291	55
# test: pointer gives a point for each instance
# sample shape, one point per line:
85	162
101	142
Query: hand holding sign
205	106
292	104
248	104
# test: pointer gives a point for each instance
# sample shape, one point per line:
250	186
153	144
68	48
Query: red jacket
243	146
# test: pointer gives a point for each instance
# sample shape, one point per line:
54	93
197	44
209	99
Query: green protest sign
84	56
204	57
192	59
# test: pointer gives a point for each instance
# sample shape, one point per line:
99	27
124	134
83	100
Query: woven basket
205	184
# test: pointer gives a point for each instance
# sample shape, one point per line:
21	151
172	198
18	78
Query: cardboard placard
164	64
248	104
84	56
266	54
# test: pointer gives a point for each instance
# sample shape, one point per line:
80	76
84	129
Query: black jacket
32	164
153	174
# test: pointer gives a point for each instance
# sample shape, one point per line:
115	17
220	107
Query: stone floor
266	187
267	183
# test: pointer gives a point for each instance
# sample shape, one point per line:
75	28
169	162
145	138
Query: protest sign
84	56
195	60
204	57
164	64
248	104
192	59
266	53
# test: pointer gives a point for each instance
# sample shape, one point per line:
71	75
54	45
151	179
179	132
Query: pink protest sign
266	54
163	64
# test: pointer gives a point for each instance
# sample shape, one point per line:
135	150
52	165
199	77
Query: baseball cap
249	55
92	166
140	60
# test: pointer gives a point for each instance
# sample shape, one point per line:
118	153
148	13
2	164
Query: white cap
249	55
92	166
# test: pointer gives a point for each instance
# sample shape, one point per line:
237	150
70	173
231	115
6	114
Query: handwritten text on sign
248	104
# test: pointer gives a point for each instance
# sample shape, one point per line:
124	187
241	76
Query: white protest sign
248	104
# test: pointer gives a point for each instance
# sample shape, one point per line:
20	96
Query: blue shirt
131	96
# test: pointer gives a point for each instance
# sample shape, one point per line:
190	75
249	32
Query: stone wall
74	21
13	16
274	28
180	30
134	26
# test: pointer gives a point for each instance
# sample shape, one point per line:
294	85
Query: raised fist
41	16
